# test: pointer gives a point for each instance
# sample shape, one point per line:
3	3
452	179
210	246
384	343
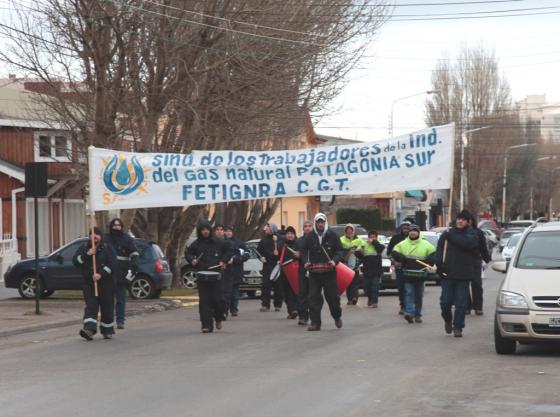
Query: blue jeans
454	292
413	296
372	287
120	305
234	305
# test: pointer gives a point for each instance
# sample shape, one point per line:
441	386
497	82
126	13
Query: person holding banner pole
303	280
321	252
98	263
268	251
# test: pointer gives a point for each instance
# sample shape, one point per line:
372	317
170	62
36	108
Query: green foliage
369	218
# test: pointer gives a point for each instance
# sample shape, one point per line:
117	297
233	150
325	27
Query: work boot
314	328
369	302
86	334
293	315
458	332
302	322
219	325
401	311
408	318
349	302
338	323
479	312
234	314
206	330
264	309
120	326
107	336
354	301
418	319
448	327
373	305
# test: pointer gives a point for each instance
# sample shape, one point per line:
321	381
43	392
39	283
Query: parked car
528	302
506	234
492	239
510	246
520	224
57	272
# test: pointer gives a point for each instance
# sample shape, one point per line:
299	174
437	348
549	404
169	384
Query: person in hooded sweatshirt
303	280
288	252
352	245
268	251
321	250
413	248
127	259
399	237
209	256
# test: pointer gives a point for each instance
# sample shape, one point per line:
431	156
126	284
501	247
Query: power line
470	17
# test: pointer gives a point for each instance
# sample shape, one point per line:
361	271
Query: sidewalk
18	316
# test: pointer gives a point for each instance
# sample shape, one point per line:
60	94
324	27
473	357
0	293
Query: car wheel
26	287
188	278
503	345
142	288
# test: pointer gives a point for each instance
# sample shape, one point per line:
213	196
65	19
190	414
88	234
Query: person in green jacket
352	245
413	248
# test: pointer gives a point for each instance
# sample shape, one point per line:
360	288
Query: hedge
369	218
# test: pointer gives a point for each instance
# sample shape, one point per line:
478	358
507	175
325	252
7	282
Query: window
69	251
51	147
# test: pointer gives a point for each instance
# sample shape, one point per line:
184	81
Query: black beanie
465	215
290	229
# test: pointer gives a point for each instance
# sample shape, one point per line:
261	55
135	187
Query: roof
325	140
16	172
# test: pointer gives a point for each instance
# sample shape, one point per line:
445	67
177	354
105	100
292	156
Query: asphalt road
261	364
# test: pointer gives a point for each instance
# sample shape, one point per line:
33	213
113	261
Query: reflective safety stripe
90	321
107	269
107	324
123	258
134	254
79	259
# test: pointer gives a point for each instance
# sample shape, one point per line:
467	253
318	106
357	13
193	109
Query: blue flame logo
122	177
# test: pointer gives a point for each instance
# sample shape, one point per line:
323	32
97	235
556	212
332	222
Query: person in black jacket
209	254
127	259
303	281
475	300
268	251
321	252
235	267
105	265
457	260
396	239
288	252
372	267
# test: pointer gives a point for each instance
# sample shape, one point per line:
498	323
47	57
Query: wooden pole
92	234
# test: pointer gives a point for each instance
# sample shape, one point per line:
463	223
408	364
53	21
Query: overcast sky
406	51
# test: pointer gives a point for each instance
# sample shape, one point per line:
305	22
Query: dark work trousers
289	294
227	283
105	302
352	291
400	285
454	292
474	302
211	303
234	302
268	286
318	282
371	286
303	296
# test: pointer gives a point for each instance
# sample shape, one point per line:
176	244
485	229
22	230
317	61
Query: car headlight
512	300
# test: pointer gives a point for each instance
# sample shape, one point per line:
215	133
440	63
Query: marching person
396	239
352	245
321	251
209	256
476	300
235	267
219	231
105	265
127	259
407	252
267	249
289	253
457	261
303	281
372	267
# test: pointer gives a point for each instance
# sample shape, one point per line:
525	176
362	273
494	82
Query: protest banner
420	160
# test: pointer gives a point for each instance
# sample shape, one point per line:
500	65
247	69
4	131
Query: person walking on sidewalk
303	280
240	256
372	267
127	259
209	255
475	300
352	245
457	260
268	251
321	252
105	265
396	239
414	248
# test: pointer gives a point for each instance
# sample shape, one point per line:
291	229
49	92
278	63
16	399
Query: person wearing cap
303	280
234	271
127	259
321	250
267	249
458	259
396	239
289	253
407	252
352	245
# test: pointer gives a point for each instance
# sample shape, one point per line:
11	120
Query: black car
57	272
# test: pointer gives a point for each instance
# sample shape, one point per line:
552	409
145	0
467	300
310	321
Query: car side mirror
500	266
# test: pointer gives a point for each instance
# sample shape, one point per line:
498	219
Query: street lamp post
464	143
505	175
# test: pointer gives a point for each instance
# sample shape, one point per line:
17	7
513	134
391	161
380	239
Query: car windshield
540	251
513	241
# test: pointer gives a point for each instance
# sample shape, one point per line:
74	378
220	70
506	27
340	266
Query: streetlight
404	98
464	143
505	175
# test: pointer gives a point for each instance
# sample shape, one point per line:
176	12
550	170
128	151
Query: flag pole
92	221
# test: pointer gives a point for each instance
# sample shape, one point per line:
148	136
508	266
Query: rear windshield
540	250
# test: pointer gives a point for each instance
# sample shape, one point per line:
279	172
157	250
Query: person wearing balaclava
458	260
321	251
127	259
268	251
414	248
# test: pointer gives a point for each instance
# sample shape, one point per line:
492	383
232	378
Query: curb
155	307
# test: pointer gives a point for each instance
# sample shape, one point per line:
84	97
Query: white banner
418	161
